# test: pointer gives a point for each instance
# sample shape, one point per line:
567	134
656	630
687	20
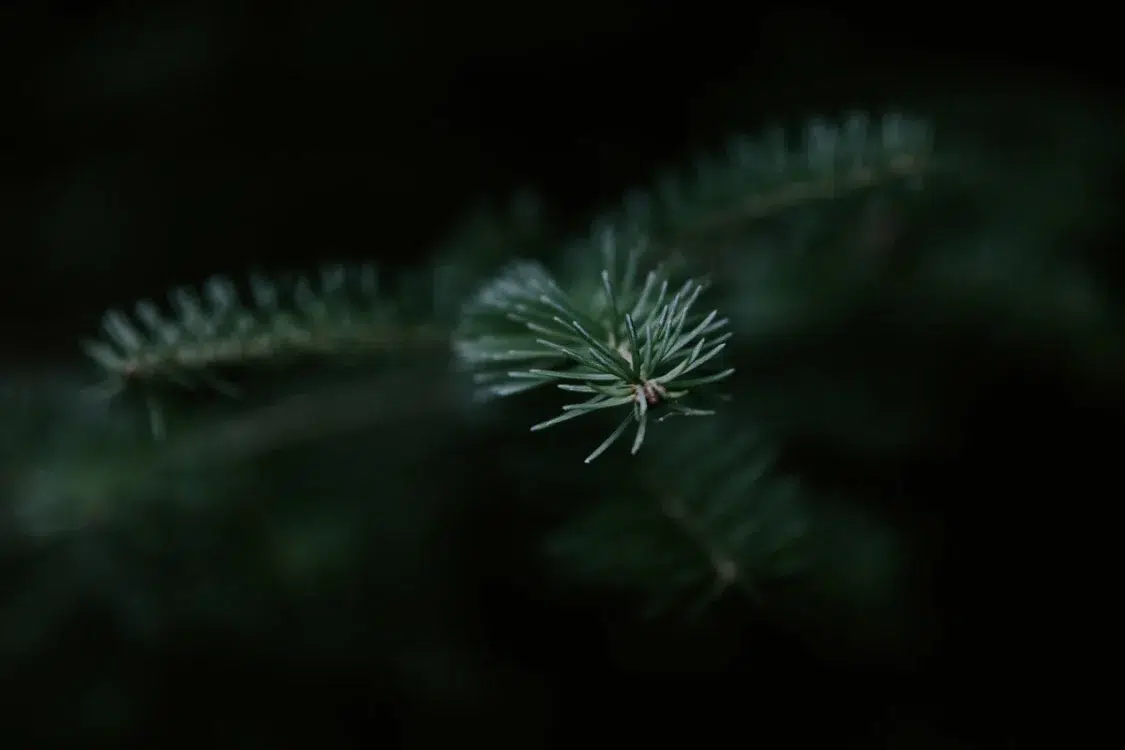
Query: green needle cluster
636	344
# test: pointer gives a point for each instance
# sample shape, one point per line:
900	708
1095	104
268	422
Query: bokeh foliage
911	302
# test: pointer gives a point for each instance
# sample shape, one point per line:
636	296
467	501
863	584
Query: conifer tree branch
762	177
634	343
708	516
340	314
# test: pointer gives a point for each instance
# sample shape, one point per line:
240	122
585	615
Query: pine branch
762	177
633	345
340	315
707	518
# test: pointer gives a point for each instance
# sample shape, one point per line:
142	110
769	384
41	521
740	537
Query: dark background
148	145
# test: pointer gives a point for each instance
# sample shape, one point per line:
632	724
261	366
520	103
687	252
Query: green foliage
338	314
623	325
766	176
711	517
633	344
717	281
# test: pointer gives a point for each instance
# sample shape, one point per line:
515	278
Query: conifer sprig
339	313
733	524
772	173
634	344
